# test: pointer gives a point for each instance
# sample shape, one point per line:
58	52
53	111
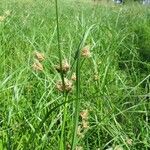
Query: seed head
96	77
39	56
67	87
85	124
37	66
65	67
79	132
73	77
79	148
68	146
129	141
86	52
84	114
118	147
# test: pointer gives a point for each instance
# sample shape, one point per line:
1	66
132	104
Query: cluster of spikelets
62	68
68	147
39	58
84	126
67	86
5	15
86	52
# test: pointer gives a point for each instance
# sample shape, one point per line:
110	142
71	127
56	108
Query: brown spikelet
79	148
86	52
39	56
85	124
67	87
129	141
73	77
65	67
84	114
118	147
96	77
68	146
37	66
79	133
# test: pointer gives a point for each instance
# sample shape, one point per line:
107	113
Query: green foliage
114	82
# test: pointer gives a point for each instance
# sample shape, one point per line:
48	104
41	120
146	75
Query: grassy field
82	85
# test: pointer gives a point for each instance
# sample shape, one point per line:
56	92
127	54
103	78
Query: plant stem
58	41
62	140
77	103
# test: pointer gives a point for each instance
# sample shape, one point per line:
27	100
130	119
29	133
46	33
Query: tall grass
112	85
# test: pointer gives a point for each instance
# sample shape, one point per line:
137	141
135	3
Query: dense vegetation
111	93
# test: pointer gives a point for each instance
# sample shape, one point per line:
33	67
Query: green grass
35	115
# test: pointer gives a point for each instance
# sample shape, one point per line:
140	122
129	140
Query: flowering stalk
65	95
77	103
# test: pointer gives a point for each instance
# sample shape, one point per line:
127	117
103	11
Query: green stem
58	41
62	145
77	103
62	139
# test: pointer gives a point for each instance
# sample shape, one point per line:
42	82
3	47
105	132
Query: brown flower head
118	147
129	141
65	67
86	52
84	114
79	148
68	146
39	56
37	66
73	77
79	133
85	124
67	87
96	77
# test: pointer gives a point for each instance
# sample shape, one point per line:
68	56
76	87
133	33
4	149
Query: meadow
75	75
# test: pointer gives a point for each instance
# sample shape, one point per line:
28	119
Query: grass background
118	102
